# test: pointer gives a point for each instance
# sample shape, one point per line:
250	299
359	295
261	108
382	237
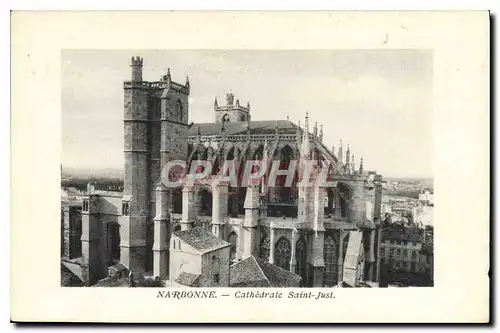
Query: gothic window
391	253
331	201
225	118
265	246
230	154
301	258
405	254
178	111
259	153
330	256
242	117
177	201
113	243
233	239
282	253
398	252
344	197
85	207
206	202
414	256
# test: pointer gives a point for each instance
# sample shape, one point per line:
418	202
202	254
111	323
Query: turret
340	155
136	64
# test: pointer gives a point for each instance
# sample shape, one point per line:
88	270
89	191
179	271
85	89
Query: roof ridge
260	269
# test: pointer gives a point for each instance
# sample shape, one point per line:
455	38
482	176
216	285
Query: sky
378	101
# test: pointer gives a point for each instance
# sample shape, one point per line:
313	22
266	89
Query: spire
353	165
333	150
340	155
215	103
187	81
361	166
321	133
305	149
168	74
248	105
315	129
347	155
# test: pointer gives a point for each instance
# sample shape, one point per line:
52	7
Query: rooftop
202	240
188	279
256	272
240	127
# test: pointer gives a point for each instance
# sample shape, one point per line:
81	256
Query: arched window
259	153
344	199
225	118
285	193
233	239
178	111
242	117
301	258
113	242
230	154
282	253
331	201
330	275
206	202
265	246
405	254
177	201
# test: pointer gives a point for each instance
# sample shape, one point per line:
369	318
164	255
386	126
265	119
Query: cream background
460	43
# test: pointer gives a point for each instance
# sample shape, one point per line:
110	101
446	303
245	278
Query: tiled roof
112	282
202	240
256	272
188	279
240	127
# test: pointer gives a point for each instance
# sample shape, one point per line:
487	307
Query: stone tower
155	131
232	111
135	214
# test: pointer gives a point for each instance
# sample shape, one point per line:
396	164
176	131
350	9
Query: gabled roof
256	272
201	240
188	279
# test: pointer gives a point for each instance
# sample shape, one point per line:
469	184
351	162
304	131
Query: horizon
378	101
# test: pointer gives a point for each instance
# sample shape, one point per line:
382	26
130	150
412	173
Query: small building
198	259
258	273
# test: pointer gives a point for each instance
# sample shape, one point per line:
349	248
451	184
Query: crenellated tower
232	111
155	132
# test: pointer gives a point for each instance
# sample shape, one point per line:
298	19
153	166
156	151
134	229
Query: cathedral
326	235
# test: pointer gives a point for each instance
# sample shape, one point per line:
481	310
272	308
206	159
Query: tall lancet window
233	239
301	258
178	111
282	253
265	246
330	256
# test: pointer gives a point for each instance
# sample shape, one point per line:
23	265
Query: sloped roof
202	240
256	272
188	279
240	127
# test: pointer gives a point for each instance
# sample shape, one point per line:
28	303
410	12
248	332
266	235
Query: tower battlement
232	111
